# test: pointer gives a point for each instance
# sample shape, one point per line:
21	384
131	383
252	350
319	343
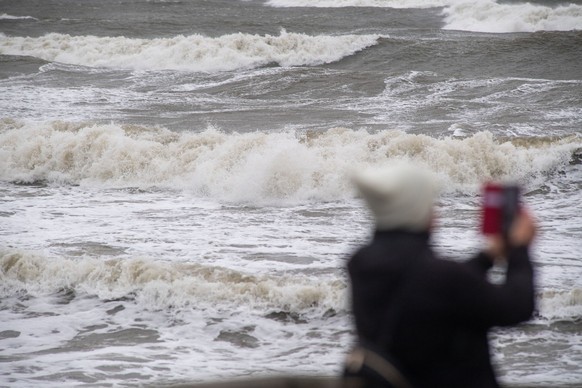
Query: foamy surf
361	3
5	16
561	305
196	53
491	16
162	285
479	16
281	166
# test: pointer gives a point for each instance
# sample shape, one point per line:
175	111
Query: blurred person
422	321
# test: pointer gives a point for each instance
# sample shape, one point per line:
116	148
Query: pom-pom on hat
400	196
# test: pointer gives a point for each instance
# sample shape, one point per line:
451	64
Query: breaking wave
261	166
490	16
360	3
5	16
194	53
479	16
561	305
161	285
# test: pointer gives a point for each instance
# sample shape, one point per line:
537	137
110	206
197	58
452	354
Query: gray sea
175	197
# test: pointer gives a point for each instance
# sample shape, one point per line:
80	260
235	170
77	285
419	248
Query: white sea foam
182	322
293	166
5	16
161	285
479	16
491	16
189	53
561	305
361	3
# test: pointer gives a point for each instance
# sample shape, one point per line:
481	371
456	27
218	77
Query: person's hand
523	229
521	233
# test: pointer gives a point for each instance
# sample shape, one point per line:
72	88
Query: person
423	321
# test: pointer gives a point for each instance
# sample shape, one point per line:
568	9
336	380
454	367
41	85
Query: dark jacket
433	315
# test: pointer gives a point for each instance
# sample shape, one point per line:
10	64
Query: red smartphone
500	206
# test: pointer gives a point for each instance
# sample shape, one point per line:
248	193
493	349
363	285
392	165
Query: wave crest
479	16
261	166
195	53
5	16
162	285
359	3
490	16
561	305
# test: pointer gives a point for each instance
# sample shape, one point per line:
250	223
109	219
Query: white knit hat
400	196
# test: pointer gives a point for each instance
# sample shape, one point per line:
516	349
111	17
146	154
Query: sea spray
257	166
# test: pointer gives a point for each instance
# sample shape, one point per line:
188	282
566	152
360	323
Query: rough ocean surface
175	197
